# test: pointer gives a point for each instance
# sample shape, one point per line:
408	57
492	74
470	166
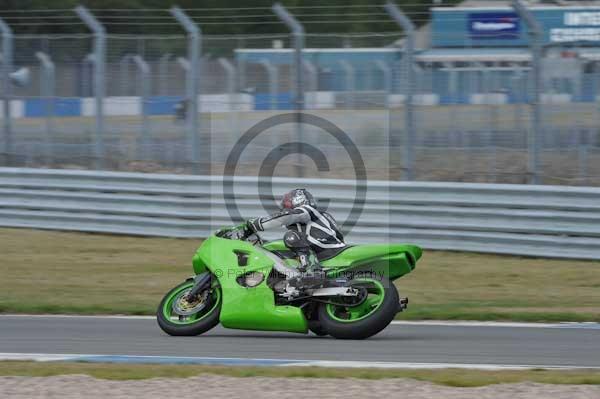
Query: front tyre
373	313
176	316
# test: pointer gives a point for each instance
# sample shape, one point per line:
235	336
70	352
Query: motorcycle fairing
246	308
254	308
391	260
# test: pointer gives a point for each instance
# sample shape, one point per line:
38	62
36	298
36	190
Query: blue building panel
500	27
63	107
264	101
162	105
331	74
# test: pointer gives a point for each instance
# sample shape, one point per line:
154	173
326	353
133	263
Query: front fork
201	282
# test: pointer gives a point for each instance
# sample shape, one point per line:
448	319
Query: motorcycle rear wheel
177	317
365	319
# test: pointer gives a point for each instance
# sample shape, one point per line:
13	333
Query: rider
310	233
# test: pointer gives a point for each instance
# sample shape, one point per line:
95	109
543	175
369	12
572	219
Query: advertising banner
498	25
502	27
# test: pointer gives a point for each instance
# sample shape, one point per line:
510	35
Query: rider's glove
248	228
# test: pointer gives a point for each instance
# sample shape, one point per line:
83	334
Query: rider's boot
312	275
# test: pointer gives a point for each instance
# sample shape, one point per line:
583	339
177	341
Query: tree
215	16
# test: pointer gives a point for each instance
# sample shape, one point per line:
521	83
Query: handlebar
236	233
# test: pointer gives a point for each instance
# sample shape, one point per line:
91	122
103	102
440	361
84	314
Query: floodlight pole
536	34
409	116
298	33
99	85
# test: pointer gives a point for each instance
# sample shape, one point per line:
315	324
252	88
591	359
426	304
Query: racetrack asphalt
479	343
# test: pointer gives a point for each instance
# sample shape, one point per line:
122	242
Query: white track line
467	323
51	357
428	366
78	316
449	323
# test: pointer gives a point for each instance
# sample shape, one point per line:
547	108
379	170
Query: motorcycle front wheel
177	316
368	317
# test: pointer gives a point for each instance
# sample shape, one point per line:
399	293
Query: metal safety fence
542	221
438	108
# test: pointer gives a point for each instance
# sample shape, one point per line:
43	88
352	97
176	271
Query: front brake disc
182	307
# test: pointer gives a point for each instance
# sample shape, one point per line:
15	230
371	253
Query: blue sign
501	27
496	25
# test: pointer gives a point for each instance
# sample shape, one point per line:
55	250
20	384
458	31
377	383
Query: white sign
493	26
585	18
575	34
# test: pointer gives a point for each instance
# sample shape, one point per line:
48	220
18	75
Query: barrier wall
542	221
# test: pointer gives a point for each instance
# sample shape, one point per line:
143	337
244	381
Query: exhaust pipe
402	305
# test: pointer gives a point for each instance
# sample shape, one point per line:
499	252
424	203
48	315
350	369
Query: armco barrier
545	221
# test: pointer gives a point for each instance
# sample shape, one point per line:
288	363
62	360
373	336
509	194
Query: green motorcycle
242	284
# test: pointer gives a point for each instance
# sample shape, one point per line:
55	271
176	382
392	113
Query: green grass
449	377
57	272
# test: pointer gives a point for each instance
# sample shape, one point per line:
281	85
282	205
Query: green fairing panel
276	245
254	308
246	308
391	260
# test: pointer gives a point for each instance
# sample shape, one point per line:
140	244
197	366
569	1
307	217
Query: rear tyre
316	328
176	316
365	319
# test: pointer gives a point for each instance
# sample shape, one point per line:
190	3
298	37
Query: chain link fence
472	112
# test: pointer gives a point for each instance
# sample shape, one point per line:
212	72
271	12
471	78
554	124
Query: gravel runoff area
213	386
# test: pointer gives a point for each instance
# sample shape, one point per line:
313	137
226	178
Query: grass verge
58	272
449	377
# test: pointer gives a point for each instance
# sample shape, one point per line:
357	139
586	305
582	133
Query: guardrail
544	221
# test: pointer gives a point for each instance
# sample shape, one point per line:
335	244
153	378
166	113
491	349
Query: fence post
535	136
349	83
597	92
387	80
452	82
144	85
124	73
184	64
230	77
7	66
192	86
313	74
99	86
409	118
48	93
230	74
272	74
298	33
163	68
486	92
87	90
313	82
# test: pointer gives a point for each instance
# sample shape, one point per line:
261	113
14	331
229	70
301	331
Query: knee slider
294	240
